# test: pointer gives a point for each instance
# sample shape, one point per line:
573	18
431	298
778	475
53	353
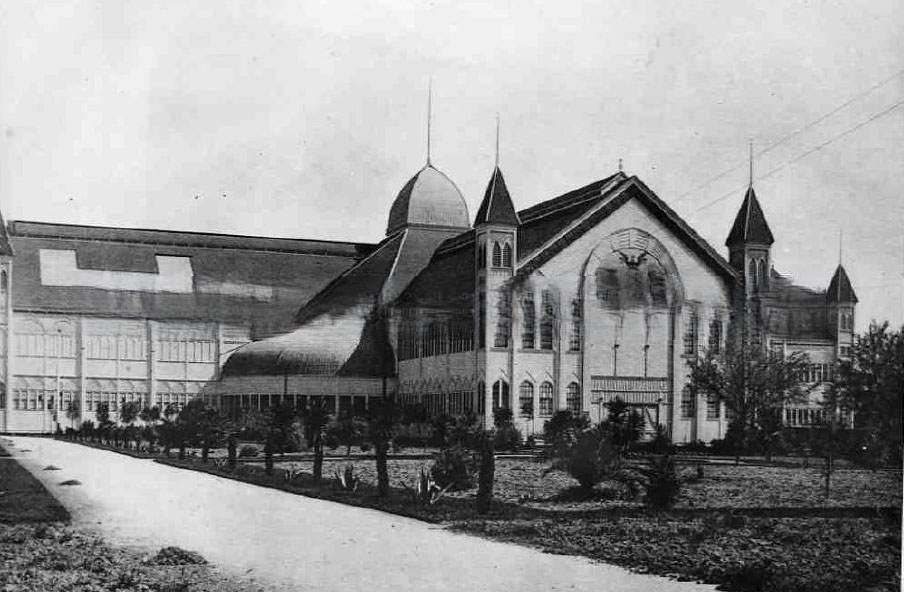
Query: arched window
482	256
507	255
529	322
547	320
761	274
481	398
573	397
497	255
526	399
500	394
546	400
691	334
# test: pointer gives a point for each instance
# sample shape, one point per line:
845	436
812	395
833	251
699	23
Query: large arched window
546	399
500	394
526	399
497	255
752	274
573	397
506	255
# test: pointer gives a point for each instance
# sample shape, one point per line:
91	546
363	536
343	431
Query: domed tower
428	199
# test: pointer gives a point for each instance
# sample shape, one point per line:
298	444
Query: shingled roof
497	207
840	288
750	224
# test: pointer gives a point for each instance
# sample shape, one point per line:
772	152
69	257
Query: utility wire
817	148
796	132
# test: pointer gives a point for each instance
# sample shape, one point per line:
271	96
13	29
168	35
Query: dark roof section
374	356
448	281
840	288
235	279
177	238
750	224
541	222
363	280
613	197
497	207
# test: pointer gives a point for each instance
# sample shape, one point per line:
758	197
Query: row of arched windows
501	254
546	399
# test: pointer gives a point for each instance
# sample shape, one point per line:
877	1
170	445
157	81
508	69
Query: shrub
508	438
590	459
660	444
248	451
453	468
176	556
660	481
561	430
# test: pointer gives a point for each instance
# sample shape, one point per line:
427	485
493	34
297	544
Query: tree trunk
381	447
318	458
487	474
181	450
231	451
205	452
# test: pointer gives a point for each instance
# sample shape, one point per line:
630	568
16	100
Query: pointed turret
5	247
840	288
497	206
750	224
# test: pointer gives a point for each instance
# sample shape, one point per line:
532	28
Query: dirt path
296	543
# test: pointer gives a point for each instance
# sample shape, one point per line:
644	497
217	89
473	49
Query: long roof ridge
563	201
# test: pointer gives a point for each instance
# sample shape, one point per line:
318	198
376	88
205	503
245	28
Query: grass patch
24	499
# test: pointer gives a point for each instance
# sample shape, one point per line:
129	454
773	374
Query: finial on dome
429	115
621	166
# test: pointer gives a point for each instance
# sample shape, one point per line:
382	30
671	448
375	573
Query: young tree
384	417
347	431
869	386
624	424
282	430
486	446
73	411
128	413
314	422
562	429
103	420
755	385
201	424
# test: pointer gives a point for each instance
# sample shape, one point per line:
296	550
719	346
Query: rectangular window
687	403
576	324
691	335
529	322
715	336
504	320
712	407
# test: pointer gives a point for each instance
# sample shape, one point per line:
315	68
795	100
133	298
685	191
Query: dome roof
429	198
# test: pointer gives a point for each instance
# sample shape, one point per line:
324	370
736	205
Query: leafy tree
128	413
73	411
869	386
591	459
755	385
282	432
507	435
103	420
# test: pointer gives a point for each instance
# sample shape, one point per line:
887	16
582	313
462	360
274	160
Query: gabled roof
840	288
497	207
589	212
750	224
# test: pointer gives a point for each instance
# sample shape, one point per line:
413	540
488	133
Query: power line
796	132
803	155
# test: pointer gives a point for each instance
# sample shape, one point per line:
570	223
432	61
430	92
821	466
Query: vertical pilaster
82	367
151	336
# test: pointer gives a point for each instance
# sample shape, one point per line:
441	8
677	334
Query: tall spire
840	244
429	115
750	144
621	166
497	140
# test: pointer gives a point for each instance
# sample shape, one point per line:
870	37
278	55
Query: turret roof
750	224
497	206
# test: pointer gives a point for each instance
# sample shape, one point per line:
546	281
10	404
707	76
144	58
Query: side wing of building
105	315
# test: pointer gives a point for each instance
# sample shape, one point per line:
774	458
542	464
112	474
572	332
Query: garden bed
745	527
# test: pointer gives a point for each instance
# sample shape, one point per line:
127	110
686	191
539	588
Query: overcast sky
304	119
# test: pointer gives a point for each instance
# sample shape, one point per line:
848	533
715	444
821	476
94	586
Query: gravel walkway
291	542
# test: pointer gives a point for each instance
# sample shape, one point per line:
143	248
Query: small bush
591	459
508	438
453	467
660	481
176	556
248	451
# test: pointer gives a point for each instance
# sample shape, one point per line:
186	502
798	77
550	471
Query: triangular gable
620	195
